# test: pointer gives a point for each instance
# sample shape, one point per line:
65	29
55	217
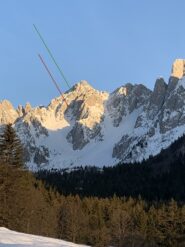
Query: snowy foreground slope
15	239
100	128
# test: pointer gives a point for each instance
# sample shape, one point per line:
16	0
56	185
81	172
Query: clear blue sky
107	42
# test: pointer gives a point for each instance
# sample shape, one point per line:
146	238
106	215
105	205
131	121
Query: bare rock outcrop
7	113
178	68
125	100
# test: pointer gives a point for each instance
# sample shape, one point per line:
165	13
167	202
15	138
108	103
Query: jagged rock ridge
98	128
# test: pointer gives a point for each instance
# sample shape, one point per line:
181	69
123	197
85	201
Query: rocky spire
27	107
159	92
178	68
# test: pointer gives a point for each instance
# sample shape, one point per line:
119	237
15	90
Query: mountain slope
98	128
161	177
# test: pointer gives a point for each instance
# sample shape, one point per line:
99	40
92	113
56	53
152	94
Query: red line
52	78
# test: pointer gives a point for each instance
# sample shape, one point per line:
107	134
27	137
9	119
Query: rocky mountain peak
27	107
7	112
20	110
6	105
159	92
121	91
160	85
82	87
178	68
125	100
124	90
129	89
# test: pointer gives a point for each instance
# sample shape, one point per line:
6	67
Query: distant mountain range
98	128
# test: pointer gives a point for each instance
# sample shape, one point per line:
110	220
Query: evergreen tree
11	150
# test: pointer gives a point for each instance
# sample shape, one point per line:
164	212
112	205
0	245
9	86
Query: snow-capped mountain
11	238
98	128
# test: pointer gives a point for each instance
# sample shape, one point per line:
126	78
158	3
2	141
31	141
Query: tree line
140	179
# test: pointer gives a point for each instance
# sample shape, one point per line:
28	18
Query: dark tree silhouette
11	150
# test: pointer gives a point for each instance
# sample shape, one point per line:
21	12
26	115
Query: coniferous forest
127	205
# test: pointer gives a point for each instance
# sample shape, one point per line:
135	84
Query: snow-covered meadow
10	238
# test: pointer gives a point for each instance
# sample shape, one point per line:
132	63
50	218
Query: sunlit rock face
178	68
87	109
92	127
7	113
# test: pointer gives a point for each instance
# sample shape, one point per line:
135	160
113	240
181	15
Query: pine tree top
11	149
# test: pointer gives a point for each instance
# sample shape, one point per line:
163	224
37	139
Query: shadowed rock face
130	124
158	95
77	137
163	115
125	100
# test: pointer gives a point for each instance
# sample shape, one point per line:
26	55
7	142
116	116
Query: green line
62	74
